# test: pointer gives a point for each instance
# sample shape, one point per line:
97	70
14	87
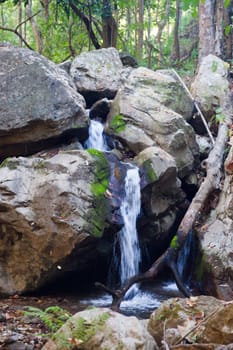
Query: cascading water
127	261
130	254
96	138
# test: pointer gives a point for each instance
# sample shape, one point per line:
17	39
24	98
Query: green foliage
150	173
102	173
214	66
174	243
117	123
219	116
53	316
82	331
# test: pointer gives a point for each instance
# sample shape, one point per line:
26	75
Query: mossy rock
98	214
117	123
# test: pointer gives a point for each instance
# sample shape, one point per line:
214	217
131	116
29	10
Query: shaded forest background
159	33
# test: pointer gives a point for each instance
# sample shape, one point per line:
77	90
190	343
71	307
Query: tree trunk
161	25
176	42
19	5
210	28
228	38
36	31
140	29
109	26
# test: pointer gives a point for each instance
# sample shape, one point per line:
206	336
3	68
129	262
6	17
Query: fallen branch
211	182
196	105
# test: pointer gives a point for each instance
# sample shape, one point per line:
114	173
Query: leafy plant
219	117
53	316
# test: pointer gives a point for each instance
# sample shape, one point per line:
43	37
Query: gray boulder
161	196
38	101
216	241
140	119
102	329
53	212
210	85
97	74
202	319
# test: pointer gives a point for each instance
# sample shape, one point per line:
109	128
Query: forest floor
20	332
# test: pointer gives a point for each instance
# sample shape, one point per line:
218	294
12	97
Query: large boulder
52	212
140	117
216	241
210	85
38	101
161	197
202	319
97	74
102	329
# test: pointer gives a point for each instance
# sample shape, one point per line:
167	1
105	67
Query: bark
206	28
211	182
109	25
140	29
161	26
19	5
228	38
35	29
211	14
176	43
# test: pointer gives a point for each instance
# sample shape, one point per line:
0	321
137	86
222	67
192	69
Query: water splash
96	137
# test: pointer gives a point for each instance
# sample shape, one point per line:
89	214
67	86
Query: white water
96	138
130	254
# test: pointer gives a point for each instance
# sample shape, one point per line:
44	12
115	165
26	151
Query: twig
196	105
200	323
164	342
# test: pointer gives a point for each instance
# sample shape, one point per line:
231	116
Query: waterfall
96	138
130	255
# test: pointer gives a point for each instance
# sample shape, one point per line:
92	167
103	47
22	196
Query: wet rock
100	109
38	103
102	329
97	74
139	117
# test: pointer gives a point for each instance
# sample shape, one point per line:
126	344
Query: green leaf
227	3
227	30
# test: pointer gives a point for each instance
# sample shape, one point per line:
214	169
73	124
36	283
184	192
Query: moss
150	173
85	330
169	312
39	164
117	123
202	268
96	216
174	243
11	163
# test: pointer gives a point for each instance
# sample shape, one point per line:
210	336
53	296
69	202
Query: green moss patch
174	243
82	331
10	163
117	123
149	170
96	216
